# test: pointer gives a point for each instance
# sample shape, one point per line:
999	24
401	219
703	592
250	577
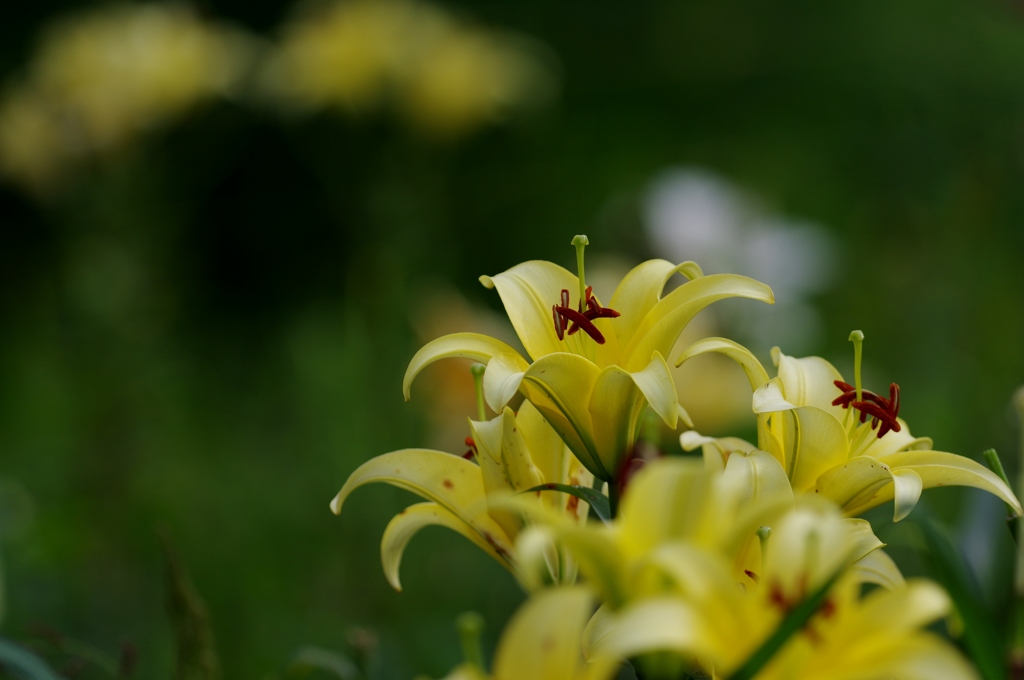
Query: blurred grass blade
196	657
311	659
984	643
598	501
793	623
23	664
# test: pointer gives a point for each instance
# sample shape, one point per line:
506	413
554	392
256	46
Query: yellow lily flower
512	453
807	419
707	620
673	502
591	386
543	641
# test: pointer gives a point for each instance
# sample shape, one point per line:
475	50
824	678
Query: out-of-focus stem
1017	649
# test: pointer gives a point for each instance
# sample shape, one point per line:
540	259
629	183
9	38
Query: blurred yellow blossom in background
98	79
443	75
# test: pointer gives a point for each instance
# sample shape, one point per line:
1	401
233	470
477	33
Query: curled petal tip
336	504
486	281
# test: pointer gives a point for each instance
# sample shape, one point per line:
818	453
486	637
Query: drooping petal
901	610
937	468
407	524
808	381
544	638
502	378
515	455
641	289
659	330
528	290
464	345
657	386
560	387
488	439
716	450
735	351
450	481
907	486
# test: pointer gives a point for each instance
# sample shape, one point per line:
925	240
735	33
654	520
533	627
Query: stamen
469	455
882	411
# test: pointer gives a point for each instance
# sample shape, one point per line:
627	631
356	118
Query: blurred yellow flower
837	440
101	78
510	454
445	76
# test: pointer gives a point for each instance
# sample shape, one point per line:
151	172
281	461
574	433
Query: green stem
478	382
996	465
613	498
471	625
581	241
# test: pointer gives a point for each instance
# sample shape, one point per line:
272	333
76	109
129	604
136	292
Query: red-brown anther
880	409
468	455
563	314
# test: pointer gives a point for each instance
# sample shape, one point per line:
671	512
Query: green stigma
763	534
857	338
581	241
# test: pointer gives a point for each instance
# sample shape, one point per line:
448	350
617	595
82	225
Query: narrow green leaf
598	501
23	663
310	659
794	622
983	641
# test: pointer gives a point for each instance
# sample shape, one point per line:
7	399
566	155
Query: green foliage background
209	334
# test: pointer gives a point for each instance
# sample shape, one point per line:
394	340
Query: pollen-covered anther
565	317
881	410
471	454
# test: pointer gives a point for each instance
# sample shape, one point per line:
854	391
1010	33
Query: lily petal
907	486
715	450
488	438
640	290
502	378
856	484
756	475
808	381
407	524
937	468
596	553
464	345
615	408
450	481
560	387
660	328
528	290
735	351
662	624
813	442
515	455
542	641
657	386
878	568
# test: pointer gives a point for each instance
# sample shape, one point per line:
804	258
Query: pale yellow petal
641	289
907	486
893	442
937	468
769	398
407	524
735	351
878	568
664	500
488	436
547	449
901	610
662	624
661	327
501	379
714	449
657	386
515	455
463	345
543	641
814	441
616	405
528	292
595	550
856	484
450	481
756	476
560	387
808	381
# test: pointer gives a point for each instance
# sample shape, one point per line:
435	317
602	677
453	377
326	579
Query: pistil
568	320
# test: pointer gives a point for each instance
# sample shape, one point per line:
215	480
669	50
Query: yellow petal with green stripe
756	374
473	346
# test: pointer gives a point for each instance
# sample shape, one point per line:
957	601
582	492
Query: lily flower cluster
750	562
